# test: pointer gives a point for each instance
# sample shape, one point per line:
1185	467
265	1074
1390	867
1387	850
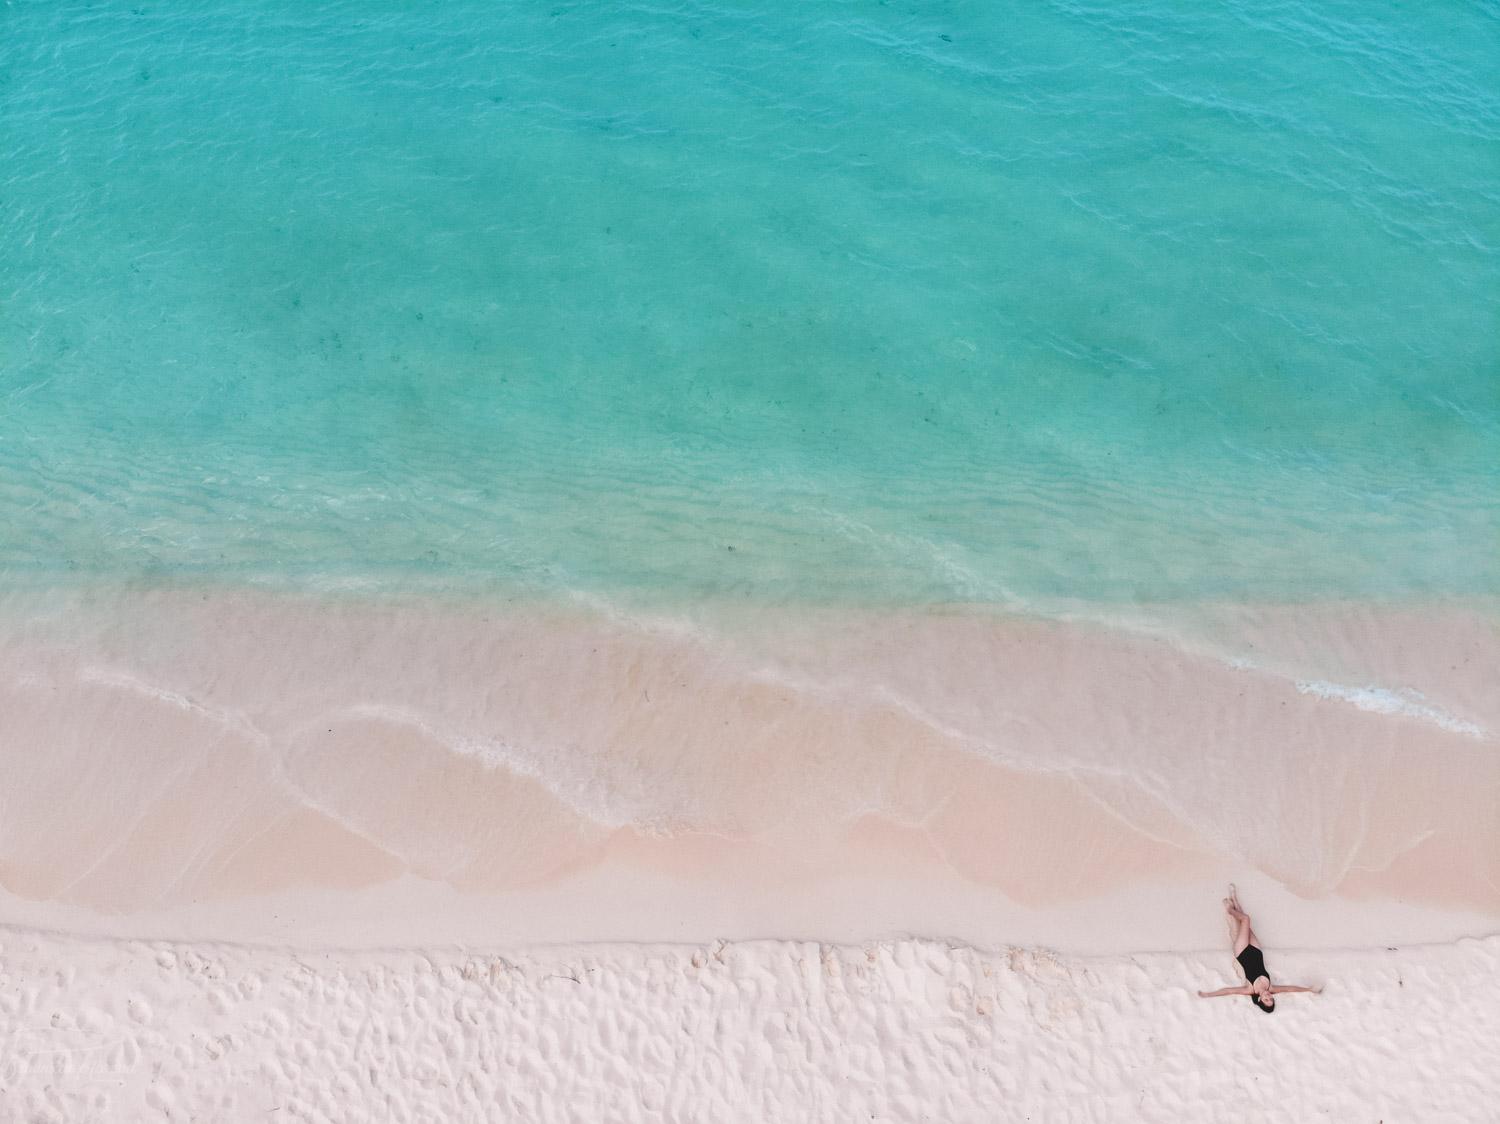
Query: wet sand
183	761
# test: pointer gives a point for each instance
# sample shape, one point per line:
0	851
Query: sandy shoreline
197	756
272	857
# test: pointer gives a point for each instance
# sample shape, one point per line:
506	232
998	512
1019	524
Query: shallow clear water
884	302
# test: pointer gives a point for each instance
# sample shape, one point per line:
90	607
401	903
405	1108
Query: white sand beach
906	1030
263	857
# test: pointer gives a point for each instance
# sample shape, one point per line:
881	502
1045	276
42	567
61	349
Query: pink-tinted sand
258	765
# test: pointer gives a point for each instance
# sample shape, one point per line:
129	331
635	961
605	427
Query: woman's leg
1240	933
1234	900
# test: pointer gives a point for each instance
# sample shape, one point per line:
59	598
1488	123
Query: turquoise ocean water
883	302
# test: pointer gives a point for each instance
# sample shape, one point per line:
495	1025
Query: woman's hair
1271	1010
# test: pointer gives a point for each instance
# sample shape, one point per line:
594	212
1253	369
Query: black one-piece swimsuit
1253	964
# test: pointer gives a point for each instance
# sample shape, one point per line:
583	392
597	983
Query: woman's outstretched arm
1241	990
1282	989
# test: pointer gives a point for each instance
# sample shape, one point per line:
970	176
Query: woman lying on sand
1252	962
